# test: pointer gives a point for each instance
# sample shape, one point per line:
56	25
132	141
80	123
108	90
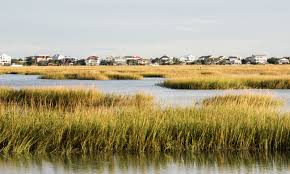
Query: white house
189	58
5	60
136	60
166	60
119	60
283	61
203	58
234	60
259	59
58	57
93	61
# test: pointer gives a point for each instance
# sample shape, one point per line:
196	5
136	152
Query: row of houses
58	59
221	60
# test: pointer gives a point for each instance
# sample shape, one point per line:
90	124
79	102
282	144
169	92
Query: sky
149	28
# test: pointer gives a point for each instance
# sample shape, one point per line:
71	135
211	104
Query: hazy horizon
147	28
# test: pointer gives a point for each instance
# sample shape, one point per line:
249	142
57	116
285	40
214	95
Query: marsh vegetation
177	77
66	121
254	82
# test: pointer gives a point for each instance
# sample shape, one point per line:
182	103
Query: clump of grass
62	98
133	129
268	83
248	100
227	83
123	76
202	83
91	76
76	76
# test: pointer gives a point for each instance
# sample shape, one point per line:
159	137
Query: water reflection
242	162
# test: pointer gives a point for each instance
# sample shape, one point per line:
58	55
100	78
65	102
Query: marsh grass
135	126
179	72
123	76
63	98
247	100
92	76
76	76
228	83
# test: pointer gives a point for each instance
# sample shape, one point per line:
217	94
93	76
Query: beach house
39	58
208	60
5	60
58	57
166	60
258	59
93	61
283	61
136	60
188	59
234	60
118	60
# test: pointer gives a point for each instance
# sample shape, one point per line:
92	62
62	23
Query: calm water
162	95
228	163
243	162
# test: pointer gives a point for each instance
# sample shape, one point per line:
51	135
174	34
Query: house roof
93	58
4	55
164	57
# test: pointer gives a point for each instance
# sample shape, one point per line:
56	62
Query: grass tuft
122	76
62	98
228	83
247	100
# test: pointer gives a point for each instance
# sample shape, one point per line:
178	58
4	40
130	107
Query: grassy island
229	83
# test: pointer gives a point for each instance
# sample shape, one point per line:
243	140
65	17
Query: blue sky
145	27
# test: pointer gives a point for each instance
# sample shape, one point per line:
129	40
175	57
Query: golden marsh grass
32	128
233	82
187	71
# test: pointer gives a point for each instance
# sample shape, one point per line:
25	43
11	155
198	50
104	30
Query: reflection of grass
158	162
228	83
41	121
